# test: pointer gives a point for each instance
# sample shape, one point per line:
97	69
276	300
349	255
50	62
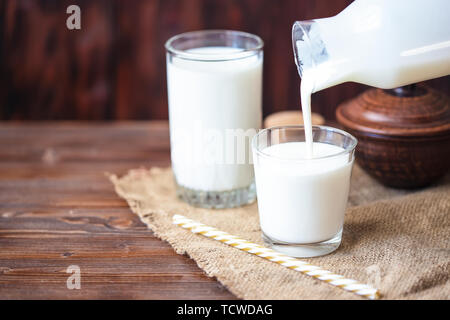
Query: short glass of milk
214	80
301	199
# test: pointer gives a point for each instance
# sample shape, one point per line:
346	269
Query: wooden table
58	209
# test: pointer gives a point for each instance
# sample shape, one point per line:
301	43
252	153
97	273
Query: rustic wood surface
114	67
57	209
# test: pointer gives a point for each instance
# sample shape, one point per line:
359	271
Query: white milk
207	98
302	202
306	88
381	43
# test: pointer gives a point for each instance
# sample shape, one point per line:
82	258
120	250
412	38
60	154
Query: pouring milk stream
381	43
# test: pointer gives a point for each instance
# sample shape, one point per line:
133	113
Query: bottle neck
313	59
309	49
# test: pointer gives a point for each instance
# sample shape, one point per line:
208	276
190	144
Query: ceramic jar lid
409	111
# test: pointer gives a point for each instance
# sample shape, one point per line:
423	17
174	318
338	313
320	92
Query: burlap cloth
397	241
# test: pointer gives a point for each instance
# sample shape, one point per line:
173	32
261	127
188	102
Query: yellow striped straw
282	259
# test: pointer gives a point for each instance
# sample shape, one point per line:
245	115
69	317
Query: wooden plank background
57	208
114	68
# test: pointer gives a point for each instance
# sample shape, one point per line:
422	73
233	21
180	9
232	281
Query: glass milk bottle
214	81
381	43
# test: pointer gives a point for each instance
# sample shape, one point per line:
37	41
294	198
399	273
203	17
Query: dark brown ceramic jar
403	134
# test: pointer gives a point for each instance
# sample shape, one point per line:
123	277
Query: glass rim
347	150
244	53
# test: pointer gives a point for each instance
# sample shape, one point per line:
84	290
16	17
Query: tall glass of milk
214	81
302	200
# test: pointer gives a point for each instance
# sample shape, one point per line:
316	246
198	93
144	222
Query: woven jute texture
397	241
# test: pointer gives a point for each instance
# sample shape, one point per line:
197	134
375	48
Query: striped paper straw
282	259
